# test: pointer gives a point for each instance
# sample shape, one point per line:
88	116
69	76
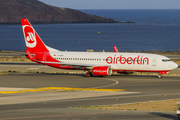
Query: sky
115	4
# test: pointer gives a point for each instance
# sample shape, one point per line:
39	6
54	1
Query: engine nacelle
102	70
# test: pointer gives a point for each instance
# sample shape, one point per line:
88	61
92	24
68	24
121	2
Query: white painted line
13	89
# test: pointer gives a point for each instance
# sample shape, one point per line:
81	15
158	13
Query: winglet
115	49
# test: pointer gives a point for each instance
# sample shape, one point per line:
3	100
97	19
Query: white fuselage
117	61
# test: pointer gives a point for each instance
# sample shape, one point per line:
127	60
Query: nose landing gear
161	73
159	76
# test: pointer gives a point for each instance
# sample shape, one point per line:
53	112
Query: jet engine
102	70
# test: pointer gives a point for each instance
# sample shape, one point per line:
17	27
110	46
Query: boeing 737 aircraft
95	63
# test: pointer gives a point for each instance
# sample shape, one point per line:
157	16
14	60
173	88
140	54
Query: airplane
95	63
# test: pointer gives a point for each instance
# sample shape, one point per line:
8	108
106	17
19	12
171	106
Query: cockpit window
166	60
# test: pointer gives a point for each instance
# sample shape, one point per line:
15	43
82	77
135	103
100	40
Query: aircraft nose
174	65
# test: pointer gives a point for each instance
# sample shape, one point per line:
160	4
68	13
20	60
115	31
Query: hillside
11	11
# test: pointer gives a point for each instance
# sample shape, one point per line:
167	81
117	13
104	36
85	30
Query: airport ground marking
4	73
54	89
116	82
170	94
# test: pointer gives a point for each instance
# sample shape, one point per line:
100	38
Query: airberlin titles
129	60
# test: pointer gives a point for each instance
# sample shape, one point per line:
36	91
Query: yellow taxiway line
4	73
53	89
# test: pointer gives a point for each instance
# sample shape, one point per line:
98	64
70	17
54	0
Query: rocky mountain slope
11	11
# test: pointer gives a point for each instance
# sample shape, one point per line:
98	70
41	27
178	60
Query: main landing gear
161	73
89	74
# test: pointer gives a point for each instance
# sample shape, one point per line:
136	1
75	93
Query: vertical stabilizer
32	39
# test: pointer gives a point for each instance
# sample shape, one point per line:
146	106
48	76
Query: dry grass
14	58
177	61
168	105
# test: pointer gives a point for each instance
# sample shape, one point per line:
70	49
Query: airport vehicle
95	63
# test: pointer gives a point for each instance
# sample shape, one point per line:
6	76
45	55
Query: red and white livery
96	63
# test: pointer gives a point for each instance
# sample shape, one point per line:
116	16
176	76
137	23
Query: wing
68	64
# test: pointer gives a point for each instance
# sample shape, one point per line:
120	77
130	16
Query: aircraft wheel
178	116
87	75
160	76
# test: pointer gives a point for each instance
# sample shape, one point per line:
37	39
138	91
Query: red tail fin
32	39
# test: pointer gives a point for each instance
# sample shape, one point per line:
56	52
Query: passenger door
154	61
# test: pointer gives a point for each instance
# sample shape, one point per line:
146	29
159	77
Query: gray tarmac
59	103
